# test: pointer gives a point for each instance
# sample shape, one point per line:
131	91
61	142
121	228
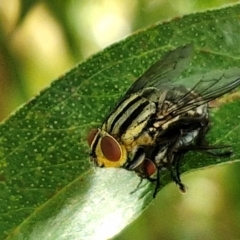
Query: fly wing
164	70
206	88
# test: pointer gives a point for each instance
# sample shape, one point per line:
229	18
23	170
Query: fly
158	120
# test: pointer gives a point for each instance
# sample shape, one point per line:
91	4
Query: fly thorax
164	118
165	122
144	139
169	122
134	133
163	108
130	116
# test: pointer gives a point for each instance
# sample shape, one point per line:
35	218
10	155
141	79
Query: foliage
49	190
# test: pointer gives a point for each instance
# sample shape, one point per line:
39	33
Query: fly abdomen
187	138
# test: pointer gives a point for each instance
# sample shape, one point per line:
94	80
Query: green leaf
48	188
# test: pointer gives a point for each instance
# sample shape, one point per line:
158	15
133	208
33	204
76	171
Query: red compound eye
91	136
111	149
149	167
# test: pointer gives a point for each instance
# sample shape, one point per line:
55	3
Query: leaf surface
48	188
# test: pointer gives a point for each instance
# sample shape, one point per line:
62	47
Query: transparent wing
164	70
206	88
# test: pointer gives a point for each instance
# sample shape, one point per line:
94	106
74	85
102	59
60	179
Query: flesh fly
159	119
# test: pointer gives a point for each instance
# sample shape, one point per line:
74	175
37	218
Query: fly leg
157	183
138	186
173	159
153	180
177	159
226	153
202	144
142	171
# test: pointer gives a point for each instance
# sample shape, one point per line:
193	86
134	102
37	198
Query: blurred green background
40	40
